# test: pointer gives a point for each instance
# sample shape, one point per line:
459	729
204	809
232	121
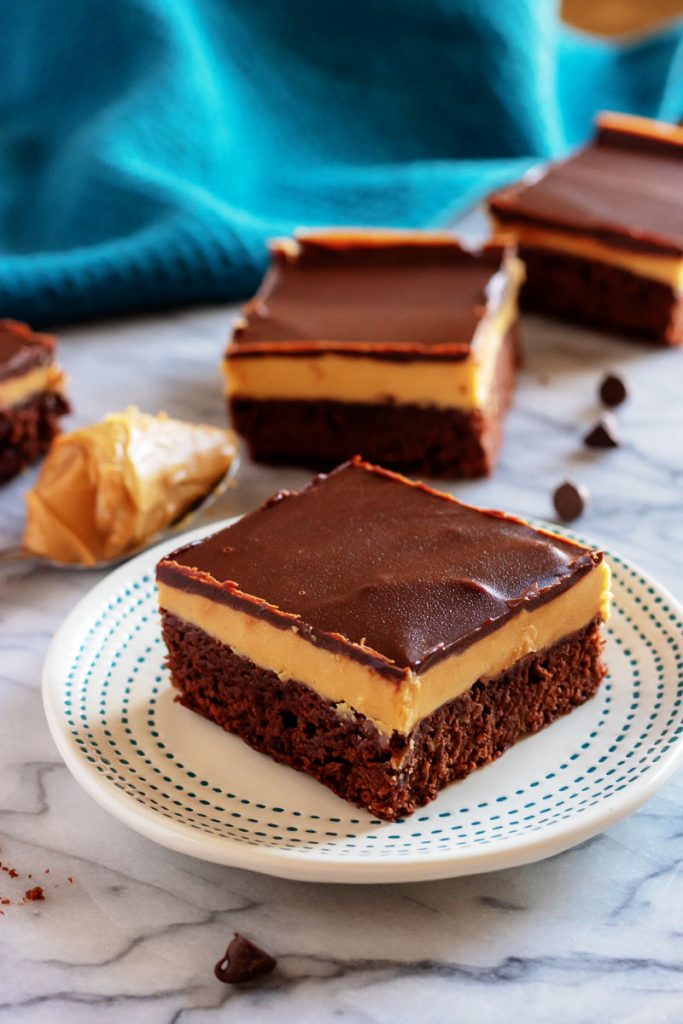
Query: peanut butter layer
655	266
350	684
623	193
20	388
365	377
366	587
105	489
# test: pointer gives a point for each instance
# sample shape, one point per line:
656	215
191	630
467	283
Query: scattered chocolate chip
34	894
613	390
243	961
604	434
570	500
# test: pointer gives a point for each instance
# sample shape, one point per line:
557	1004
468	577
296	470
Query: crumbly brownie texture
27	430
411	438
293	725
594	293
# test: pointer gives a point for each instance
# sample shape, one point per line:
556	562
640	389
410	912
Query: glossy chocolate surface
21	350
344	293
399	568
623	189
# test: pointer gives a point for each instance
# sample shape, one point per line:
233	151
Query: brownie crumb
604	434
570	500
34	894
9	871
243	961
613	390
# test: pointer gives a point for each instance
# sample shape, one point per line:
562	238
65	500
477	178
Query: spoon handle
15	553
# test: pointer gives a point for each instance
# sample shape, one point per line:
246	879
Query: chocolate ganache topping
363	555
369	290
21	350
624	187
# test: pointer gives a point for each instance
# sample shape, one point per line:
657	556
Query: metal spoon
16	553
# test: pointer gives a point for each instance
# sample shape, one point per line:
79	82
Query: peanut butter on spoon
107	488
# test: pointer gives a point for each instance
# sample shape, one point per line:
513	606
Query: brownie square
32	398
601	233
400	346
381	636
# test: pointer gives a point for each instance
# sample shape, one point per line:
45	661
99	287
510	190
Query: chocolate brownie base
408	438
27	430
589	292
347	753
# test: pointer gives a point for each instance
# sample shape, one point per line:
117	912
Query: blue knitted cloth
149	147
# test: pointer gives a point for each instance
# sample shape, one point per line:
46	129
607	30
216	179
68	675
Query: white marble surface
595	934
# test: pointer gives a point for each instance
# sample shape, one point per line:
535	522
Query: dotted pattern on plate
111	701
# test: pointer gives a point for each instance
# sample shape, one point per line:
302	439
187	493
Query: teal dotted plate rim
182	782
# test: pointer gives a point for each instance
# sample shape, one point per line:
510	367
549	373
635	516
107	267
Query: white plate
183	782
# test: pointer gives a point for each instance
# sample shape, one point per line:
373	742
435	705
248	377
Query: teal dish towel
150	147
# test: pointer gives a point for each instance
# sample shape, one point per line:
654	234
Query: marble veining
128	932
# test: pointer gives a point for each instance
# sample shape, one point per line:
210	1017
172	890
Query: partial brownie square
32	397
400	346
381	636
601	234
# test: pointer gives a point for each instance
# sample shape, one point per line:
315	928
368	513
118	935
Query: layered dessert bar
601	234
380	635
399	346
32	396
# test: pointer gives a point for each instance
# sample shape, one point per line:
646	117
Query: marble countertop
129	932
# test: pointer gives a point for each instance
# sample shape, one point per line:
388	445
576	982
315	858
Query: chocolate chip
570	500
243	961
604	434
613	390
